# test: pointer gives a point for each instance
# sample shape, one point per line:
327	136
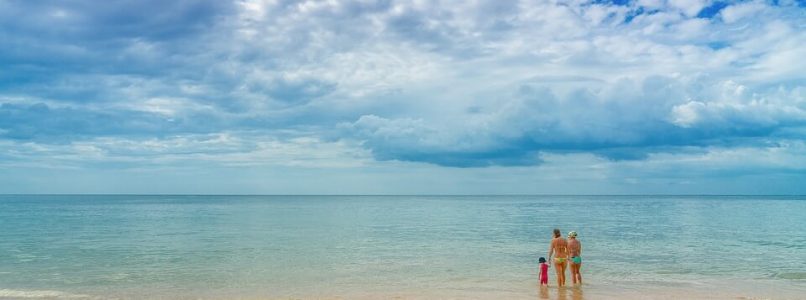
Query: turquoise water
370	246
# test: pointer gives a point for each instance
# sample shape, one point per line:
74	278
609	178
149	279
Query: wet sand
734	290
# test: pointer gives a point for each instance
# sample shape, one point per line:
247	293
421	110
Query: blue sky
403	97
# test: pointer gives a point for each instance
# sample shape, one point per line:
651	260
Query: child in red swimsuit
544	271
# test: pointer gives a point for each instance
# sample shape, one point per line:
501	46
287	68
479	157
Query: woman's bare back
573	247
560	246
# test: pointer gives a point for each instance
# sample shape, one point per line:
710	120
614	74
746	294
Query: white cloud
736	12
490	82
232	149
689	7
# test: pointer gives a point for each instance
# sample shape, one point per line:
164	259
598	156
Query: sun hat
572	234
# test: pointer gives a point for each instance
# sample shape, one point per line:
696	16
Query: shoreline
741	290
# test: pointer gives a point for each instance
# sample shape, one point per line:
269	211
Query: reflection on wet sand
561	293
544	292
576	293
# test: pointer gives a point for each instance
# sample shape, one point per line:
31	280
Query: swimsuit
559	260
576	260
544	274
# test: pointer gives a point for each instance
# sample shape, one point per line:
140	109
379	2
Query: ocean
397	247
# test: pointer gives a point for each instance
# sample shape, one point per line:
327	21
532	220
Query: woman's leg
565	266
561	272
579	274
560	269
575	277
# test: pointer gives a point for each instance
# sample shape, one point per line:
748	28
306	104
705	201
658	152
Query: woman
575	249
559	246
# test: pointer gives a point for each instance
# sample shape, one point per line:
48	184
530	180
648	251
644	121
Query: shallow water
390	246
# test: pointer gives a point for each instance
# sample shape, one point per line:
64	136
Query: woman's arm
551	249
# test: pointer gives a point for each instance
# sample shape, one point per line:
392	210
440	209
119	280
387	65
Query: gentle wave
792	275
16	294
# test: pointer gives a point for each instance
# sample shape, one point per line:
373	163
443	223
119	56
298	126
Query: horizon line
390	195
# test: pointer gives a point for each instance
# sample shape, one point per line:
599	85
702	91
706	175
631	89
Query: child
544	271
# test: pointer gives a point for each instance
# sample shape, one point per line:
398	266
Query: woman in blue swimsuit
575	249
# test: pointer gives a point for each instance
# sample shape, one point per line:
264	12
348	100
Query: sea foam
34	294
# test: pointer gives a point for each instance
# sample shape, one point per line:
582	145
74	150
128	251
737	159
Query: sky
403	97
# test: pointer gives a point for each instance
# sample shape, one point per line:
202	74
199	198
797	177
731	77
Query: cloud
412	140
471	84
188	151
627	120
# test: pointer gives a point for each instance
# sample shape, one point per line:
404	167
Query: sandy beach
734	290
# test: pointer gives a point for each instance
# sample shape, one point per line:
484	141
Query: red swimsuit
544	274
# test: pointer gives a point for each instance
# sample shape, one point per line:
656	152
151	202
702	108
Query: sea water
144	247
